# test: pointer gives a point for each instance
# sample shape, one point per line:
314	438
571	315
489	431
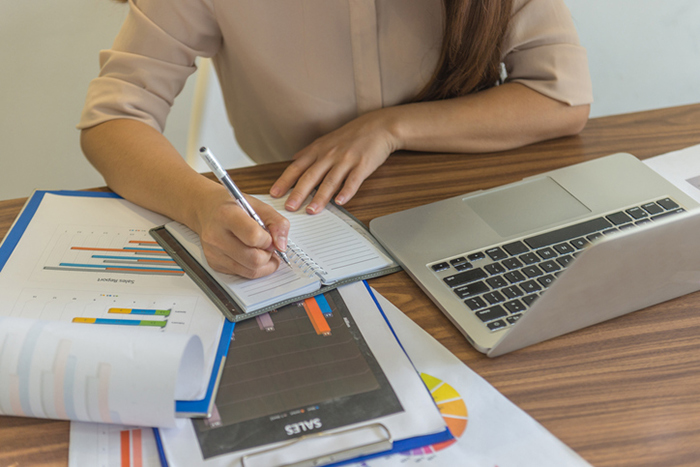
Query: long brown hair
470	57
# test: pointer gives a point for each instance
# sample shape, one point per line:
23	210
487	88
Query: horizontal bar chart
121	322
139	311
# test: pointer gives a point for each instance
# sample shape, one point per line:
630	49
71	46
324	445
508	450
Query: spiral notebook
326	250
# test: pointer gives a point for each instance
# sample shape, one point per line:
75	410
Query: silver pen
235	192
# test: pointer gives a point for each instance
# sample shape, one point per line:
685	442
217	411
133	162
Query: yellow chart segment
452	408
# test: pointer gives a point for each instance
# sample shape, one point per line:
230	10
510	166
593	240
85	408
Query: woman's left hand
345	157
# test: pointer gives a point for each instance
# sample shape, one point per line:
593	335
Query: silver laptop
525	262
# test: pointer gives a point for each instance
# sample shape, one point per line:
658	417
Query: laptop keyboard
499	284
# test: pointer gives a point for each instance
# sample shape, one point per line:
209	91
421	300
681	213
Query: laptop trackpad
526	206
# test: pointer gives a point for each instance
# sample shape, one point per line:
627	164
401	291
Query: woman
337	85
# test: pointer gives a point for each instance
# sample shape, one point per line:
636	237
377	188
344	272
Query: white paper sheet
92	259
682	168
102	445
490	430
51	369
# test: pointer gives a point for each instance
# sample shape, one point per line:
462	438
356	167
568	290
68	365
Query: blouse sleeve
542	51
150	60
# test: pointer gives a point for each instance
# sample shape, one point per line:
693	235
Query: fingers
234	243
277	225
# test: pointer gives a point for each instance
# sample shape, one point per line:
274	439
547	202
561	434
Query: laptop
525	262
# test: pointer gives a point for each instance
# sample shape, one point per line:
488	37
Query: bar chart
113	251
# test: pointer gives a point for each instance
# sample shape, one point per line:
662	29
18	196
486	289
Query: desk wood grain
622	393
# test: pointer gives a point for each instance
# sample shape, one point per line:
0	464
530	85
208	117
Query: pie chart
453	410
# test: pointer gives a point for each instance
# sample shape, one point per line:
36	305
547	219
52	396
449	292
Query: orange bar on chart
316	316
126	454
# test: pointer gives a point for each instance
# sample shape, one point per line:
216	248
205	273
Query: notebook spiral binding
307	265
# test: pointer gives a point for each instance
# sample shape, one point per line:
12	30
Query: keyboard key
609	231
475	303
550	266
512	263
643	221
516	248
669	213
494	297
497	282
528	299
653	208
567	233
530	286
514	276
440	267
512	292
489	314
546	253
496	254
593	236
532	271
514	318
637	212
470	290
465	277
565	260
546	281
627	226
564	248
514	306
476	256
495	268
456	261
667	203
463	266
580	243
529	258
496	325
618	218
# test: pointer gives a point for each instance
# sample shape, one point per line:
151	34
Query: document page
330	365
90	261
682	168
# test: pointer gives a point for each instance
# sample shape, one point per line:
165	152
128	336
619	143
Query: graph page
90	261
323	365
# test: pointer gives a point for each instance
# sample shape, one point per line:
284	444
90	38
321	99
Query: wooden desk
621	393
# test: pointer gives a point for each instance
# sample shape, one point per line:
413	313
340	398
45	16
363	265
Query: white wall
643	54
48	55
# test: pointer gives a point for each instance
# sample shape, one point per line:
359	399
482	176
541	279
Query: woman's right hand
234	243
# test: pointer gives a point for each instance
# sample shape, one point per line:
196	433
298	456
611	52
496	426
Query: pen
235	192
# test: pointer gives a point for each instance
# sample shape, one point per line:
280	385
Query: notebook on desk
518	264
325	250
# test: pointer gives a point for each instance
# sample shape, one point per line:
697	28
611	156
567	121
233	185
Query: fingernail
281	243
311	208
274	191
340	200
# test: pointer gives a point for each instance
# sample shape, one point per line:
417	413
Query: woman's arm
141	165
499	118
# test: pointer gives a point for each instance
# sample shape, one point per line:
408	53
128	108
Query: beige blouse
293	70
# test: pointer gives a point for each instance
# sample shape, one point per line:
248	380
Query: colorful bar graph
139	311
316	317
121	322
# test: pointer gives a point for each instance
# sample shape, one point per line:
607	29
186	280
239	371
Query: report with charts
325	250
78	268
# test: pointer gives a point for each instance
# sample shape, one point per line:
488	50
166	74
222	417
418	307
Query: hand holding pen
225	179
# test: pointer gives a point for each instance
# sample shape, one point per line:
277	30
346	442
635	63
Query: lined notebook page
339	249
251	294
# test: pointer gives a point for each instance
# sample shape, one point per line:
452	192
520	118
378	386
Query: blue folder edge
402	445
12	238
